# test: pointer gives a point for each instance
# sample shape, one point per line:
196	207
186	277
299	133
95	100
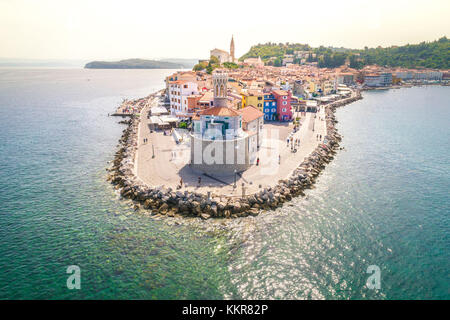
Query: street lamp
153	150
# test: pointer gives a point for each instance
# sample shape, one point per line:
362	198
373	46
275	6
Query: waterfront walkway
170	163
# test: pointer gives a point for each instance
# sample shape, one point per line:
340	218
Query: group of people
319	137
145	140
294	143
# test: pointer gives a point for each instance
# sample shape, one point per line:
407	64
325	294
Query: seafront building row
234	101
279	91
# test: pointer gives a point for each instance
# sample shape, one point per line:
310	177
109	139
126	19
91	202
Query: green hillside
434	54
268	50
133	64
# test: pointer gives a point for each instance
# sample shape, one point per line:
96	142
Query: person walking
257	162
279	159
199	181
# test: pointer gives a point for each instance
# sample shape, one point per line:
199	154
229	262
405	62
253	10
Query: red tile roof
281	92
250	113
220	111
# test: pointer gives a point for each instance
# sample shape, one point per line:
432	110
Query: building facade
284	108
378	79
252	98
270	107
219	144
224	56
252	123
178	93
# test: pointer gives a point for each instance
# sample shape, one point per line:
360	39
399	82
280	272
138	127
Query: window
274	110
185	86
284	110
259	105
266	104
284	97
267	110
259	98
284	103
273	103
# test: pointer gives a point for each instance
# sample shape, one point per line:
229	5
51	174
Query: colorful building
252	98
284	108
270	107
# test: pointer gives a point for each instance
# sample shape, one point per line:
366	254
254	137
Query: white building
219	143
428	75
378	79
405	75
222	55
178	92
252	124
256	62
288	60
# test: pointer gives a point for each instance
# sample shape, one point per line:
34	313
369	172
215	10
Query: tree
214	60
230	65
200	66
277	62
209	68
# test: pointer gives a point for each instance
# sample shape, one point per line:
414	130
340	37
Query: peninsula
236	138
134	64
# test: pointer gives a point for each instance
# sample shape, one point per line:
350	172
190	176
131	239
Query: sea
376	225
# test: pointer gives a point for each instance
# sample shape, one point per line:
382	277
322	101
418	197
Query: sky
110	29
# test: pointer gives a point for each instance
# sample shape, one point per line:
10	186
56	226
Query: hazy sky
109	29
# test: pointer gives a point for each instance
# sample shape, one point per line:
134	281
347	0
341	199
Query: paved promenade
170	163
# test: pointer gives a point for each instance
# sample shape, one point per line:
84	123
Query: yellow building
395	80
327	87
312	86
252	98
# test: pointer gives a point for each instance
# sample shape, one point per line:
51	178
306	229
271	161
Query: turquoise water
382	201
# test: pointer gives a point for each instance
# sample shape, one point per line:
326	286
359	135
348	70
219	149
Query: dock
134	107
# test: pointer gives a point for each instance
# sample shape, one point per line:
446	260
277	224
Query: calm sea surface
384	200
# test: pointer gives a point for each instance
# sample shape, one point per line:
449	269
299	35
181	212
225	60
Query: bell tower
220	80
232	49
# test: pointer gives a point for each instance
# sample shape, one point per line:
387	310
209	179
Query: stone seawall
166	201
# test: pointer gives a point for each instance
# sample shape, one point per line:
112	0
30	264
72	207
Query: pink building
284	109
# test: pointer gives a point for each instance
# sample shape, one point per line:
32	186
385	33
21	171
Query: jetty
133	107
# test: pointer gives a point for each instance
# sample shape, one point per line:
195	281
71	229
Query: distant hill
134	64
435	54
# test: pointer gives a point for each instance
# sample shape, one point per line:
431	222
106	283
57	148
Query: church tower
232	49
220	81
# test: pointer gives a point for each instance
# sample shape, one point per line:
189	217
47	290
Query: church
223	55
219	143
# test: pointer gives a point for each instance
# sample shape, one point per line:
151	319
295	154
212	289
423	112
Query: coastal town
241	137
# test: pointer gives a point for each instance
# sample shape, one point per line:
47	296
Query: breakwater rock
166	201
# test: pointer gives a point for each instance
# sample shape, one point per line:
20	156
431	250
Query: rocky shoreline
169	202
